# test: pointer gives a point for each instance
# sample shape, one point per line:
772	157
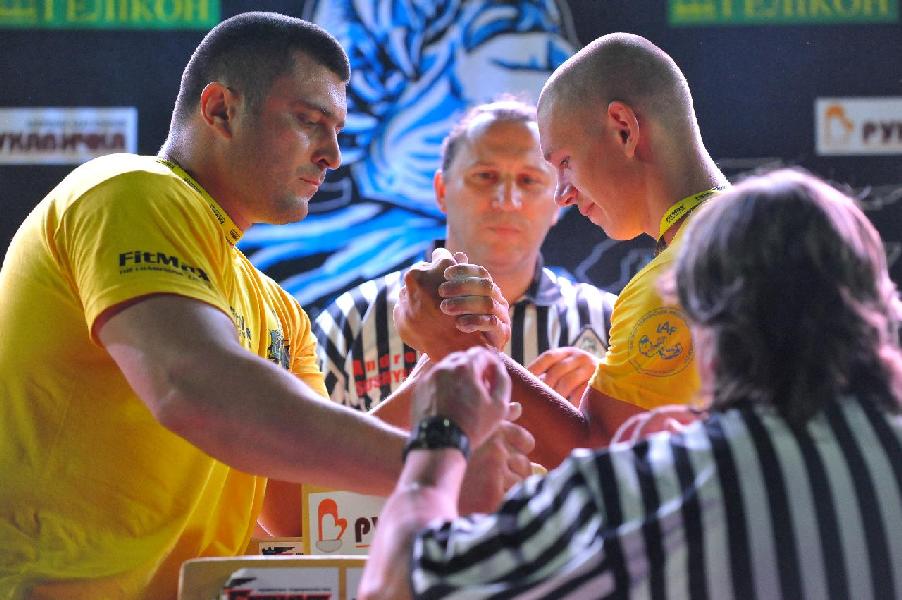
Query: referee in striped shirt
789	487
498	194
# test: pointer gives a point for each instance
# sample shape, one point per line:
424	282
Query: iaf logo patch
660	344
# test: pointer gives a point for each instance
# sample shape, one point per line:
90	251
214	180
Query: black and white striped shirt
737	506
364	359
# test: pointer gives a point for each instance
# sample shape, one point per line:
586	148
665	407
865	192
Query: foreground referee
790	488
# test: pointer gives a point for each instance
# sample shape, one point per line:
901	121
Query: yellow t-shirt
97	500
650	358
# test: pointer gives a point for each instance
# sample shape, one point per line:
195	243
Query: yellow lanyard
680	210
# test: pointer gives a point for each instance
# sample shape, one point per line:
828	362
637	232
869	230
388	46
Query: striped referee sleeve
543	539
739	506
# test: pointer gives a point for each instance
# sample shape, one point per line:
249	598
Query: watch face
436	436
433	433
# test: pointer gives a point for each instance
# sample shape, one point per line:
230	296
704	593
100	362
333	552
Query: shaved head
626	68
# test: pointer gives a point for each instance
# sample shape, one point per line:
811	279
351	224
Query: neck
204	169
681	183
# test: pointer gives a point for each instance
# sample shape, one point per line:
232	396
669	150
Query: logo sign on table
65	136
330	579
337	522
858	126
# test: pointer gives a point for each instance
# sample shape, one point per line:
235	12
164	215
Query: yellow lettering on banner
694	9
831	9
202	7
140	12
165	16
883	7
83	11
854	8
789	7
820	7
752	8
18	10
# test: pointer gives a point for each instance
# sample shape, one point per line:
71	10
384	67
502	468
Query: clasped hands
449	305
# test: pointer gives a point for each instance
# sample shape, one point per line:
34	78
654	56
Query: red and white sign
337	522
65	136
858	126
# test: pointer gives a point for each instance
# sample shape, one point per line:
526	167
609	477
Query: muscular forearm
557	426
183	360
427	490
258	418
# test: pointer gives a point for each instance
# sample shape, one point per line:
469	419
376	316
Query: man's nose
566	193
508	197
329	155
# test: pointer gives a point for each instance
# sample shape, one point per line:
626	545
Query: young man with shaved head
617	122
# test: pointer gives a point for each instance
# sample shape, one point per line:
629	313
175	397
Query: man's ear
218	105
438	184
623	121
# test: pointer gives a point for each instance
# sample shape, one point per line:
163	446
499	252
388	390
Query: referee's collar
542	290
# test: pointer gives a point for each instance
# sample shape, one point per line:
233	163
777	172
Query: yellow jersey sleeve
304	364
650	359
137	234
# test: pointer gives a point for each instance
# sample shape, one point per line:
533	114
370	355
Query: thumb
514	410
440	254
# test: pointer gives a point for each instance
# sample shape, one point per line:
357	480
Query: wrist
437	432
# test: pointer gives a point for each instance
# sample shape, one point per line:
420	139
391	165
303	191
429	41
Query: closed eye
305	119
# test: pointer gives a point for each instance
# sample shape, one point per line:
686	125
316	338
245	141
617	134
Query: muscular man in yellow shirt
151	379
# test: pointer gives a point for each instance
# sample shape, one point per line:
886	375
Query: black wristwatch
436	432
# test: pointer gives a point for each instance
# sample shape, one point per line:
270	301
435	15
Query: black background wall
754	88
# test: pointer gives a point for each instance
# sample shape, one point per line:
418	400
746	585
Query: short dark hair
251	50
787	278
507	108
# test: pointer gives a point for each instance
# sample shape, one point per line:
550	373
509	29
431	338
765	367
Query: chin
618	235
296	211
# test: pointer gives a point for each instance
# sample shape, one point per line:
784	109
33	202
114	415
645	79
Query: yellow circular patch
660	343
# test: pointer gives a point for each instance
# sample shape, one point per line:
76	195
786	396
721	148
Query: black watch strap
437	432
